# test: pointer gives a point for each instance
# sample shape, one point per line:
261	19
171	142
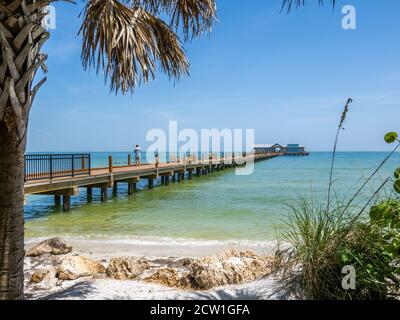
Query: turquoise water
220	206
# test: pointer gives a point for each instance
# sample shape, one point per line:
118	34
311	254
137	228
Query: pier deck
109	177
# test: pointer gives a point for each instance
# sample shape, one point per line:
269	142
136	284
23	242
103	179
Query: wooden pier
63	184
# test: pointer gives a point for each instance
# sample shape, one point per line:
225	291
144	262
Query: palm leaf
194	16
290	4
127	44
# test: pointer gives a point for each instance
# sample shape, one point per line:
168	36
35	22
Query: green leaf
397	186
391	137
345	258
397	173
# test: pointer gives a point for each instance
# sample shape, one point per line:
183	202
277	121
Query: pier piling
89	194
151	183
115	189
57	201
103	192
130	188
66	203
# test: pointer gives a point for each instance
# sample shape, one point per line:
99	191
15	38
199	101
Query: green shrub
321	243
386	214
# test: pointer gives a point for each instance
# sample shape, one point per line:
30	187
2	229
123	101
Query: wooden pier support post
129	160
179	176
151	183
198	172
173	177
103	192
89	194
66	203
162	180
157	164
110	164
131	187
57	202
115	189
190	174
166	180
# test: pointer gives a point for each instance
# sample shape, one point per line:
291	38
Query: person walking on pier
137	155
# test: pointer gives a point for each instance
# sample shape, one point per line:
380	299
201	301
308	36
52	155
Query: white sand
107	289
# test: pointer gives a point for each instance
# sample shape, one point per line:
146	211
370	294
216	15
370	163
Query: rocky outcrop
126	268
53	246
38	275
231	267
166	276
44	279
75	267
172	263
187	281
47	272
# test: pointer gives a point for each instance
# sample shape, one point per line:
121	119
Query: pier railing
49	166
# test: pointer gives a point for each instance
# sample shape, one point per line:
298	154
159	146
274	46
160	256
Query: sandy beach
104	289
94	288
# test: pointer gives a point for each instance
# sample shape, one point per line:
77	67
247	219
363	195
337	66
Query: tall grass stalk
340	127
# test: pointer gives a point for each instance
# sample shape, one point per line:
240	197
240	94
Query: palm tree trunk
11	214
21	38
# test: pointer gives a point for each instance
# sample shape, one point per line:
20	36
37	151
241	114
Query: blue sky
286	76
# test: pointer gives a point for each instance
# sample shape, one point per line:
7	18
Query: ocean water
219	207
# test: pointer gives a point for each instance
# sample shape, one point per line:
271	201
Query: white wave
164	241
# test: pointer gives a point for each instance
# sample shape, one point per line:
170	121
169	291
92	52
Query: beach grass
324	244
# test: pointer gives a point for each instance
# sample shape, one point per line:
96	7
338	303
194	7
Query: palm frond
128	43
195	17
290	4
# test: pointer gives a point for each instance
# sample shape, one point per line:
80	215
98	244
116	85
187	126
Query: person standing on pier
137	155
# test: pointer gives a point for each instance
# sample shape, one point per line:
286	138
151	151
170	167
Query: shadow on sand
81	291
